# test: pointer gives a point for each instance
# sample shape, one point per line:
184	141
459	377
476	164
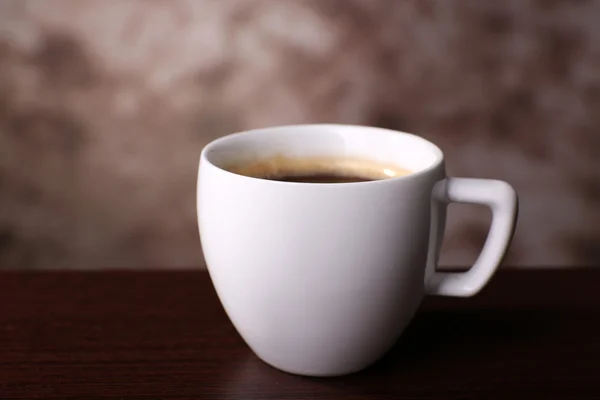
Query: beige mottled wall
105	106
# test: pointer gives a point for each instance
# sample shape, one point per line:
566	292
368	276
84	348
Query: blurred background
106	105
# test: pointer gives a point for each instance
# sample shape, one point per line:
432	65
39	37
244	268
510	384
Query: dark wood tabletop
163	335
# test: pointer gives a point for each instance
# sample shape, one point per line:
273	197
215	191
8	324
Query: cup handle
502	199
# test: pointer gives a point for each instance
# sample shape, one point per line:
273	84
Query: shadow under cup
318	279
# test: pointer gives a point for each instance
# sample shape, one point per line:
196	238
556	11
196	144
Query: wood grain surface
164	335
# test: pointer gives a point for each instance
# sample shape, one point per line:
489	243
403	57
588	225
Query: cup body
318	279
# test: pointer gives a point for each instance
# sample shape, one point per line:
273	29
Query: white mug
321	279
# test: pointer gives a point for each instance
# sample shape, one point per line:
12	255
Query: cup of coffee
322	240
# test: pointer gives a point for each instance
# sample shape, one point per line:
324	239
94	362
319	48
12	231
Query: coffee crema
319	169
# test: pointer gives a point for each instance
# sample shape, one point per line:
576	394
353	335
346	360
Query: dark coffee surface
319	169
321	178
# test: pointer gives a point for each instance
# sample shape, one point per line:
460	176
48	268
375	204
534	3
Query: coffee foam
279	165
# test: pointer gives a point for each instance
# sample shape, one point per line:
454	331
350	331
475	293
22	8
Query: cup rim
438	153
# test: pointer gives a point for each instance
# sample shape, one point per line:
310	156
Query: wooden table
164	335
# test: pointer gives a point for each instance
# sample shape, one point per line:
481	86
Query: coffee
319	169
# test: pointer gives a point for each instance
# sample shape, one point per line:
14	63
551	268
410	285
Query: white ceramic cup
321	279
